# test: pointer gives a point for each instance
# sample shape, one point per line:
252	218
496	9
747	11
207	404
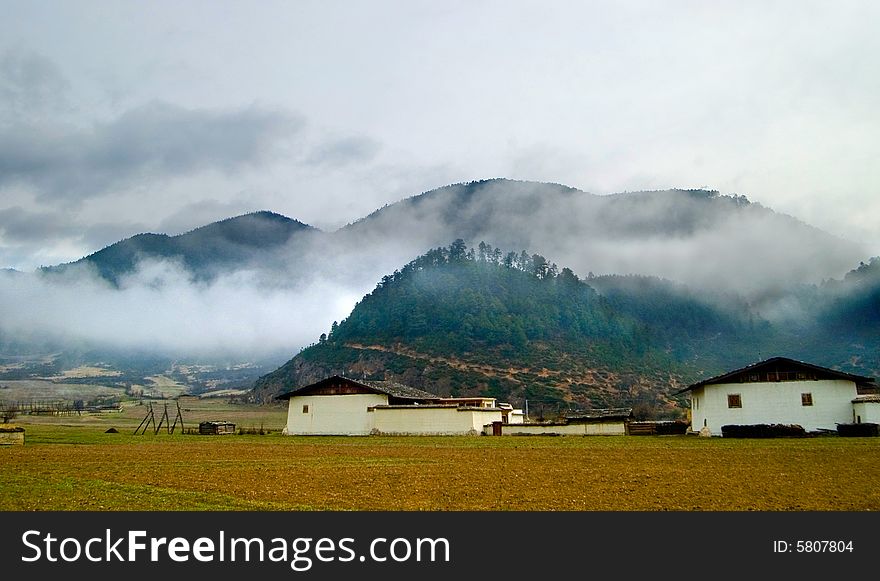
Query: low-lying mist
160	308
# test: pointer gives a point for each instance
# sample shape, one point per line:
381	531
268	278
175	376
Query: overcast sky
121	117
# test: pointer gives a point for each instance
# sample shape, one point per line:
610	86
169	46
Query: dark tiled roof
390	388
828	373
398	389
875	398
599	414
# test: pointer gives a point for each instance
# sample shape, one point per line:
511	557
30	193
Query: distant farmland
79	467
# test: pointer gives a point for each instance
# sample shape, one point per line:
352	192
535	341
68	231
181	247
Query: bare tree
8	412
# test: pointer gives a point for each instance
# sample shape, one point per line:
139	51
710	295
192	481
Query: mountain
227	245
696	237
514	326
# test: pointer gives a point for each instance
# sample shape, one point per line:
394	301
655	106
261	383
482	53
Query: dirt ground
74	465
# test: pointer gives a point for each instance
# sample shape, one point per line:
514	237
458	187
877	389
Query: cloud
147	144
344	151
31	86
18	225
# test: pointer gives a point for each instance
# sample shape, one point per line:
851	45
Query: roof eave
858	379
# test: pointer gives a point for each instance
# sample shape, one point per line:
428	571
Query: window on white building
734	400
806	399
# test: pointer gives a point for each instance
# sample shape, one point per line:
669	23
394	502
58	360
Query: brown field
69	463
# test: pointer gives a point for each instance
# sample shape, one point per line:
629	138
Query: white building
866	409
513	415
342	406
781	391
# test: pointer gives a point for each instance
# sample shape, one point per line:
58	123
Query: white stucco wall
432	420
601	429
605	429
538	429
866	412
332	414
774	403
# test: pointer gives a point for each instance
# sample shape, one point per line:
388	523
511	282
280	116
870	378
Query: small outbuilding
216	428
511	415
866	409
11	435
